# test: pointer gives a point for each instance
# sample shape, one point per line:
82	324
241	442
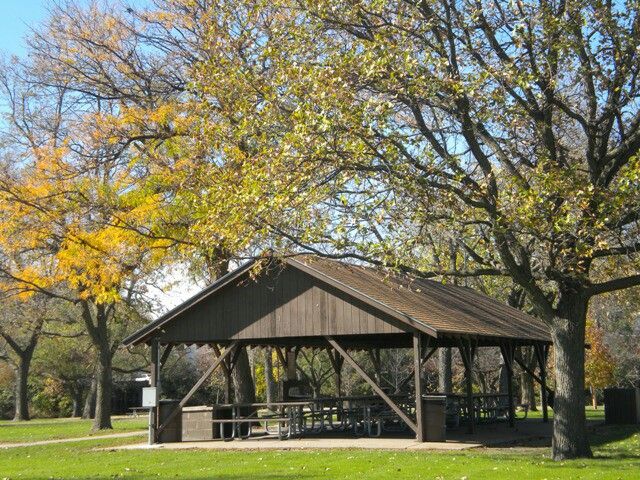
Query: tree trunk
102	419
21	369
21	387
242	380
569	421
444	370
503	381
75	409
271	387
527	391
527	386
96	317
89	410
594	398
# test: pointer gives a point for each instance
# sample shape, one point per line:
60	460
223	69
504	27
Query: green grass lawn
51	429
592	414
616	449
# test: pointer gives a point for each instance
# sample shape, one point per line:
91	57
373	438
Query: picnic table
288	416
360	414
134	411
486	407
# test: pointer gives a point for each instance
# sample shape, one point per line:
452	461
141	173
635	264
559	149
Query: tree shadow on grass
616	442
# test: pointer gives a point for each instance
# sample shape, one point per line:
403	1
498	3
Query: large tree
513	126
131	70
65	191
21	327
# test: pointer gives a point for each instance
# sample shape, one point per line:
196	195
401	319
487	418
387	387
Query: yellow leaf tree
599	365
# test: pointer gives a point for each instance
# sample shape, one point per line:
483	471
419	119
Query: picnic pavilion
309	302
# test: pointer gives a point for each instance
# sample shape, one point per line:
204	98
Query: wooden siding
280	304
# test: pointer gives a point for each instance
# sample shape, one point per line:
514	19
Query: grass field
616	449
52	429
591	413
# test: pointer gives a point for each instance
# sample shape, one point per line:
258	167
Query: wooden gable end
278	304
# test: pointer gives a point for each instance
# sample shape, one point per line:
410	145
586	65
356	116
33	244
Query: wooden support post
421	434
542	352
230	349
467	352
154	382
376	388
508	354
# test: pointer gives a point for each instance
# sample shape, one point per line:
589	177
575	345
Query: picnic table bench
135	410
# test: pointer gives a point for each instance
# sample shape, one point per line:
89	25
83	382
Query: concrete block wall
197	425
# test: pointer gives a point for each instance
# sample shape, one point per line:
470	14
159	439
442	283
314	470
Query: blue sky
15	18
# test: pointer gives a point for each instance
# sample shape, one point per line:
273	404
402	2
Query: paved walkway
71	440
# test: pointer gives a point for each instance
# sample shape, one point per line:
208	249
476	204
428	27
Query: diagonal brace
376	388
198	384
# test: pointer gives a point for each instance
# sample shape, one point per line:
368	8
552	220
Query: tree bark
242	380
89	410
527	386
569	421
271	387
104	379
21	366
444	370
21	387
76	397
503	381
96	318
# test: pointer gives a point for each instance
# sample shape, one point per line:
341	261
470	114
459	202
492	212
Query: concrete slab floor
315	443
524	433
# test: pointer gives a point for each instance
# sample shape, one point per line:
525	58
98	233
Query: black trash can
434	414
621	405
173	431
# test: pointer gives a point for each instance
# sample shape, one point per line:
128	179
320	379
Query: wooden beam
165	354
230	349
218	353
376	388
429	353
532	373
281	357
421	434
